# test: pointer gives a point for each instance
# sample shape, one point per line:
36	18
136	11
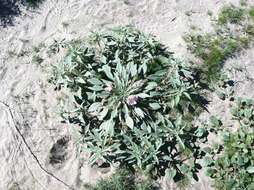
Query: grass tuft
251	12
123	180
231	14
214	48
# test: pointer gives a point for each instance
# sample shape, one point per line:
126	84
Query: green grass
251	12
214	48
249	29
231	14
123	180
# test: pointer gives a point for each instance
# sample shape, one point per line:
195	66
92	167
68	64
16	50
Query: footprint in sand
59	152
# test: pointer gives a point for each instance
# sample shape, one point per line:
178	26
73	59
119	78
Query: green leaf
129	122
139	112
177	100
155	106
95	81
143	95
133	69
80	80
210	172
163	59
107	71
103	114
221	95
180	141
108	126
143	67
215	121
93	107
187	95
151	85
200	131
79	59
250	169
67	60
207	161
103	59
96	88
170	173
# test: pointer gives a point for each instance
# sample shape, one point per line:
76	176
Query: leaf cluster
212	50
123	179
231	14
134	102
233	168
243	111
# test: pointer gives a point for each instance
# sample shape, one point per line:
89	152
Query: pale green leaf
170	173
155	106
250	169
129	122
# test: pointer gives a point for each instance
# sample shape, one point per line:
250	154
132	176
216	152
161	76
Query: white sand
24	86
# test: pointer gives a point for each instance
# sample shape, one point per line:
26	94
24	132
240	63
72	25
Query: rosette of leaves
134	101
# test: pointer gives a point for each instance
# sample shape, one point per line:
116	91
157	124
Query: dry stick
30	150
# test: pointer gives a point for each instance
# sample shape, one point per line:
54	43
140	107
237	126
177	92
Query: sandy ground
34	103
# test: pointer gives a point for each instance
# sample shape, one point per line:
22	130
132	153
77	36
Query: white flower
108	88
132	100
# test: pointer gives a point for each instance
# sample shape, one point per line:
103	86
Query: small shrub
233	168
231	14
212	50
123	180
134	102
56	46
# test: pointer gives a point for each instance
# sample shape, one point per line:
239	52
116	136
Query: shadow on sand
8	10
